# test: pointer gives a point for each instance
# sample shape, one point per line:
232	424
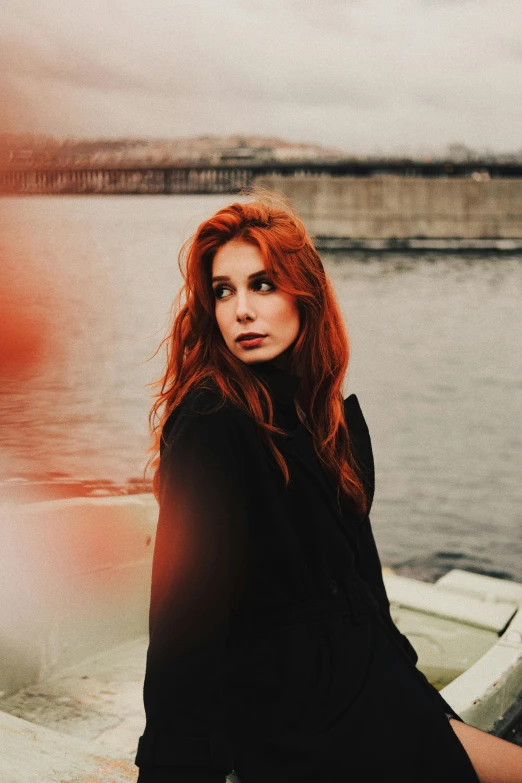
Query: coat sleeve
368	562
198	562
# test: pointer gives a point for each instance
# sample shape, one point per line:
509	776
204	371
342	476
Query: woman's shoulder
202	409
202	400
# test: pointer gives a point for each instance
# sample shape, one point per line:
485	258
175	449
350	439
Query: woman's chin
253	355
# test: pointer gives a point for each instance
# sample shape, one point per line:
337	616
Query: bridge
200	178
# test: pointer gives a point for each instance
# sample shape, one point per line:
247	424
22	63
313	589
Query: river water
436	363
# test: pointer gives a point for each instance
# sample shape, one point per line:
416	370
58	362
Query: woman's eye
266	282
218	291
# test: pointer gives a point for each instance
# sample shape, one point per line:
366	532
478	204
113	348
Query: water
436	364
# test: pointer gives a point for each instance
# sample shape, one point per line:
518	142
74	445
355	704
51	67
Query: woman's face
247	301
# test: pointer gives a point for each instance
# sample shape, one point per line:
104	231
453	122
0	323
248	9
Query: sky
366	76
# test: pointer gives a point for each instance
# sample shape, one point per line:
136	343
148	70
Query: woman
272	650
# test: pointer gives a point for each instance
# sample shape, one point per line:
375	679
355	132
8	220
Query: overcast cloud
376	75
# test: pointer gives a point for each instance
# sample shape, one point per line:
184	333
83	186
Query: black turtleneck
282	385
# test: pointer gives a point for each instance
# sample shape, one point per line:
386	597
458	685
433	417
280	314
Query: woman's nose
244	307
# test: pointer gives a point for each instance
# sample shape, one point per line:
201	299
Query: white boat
467	631
74	597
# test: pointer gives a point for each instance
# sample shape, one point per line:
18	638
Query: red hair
198	355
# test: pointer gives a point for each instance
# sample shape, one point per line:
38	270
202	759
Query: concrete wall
392	206
74	581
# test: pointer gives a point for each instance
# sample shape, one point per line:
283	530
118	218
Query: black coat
272	651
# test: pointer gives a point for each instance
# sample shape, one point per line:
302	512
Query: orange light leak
25	329
55	552
25	324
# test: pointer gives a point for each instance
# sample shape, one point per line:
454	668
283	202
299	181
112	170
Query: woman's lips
252	343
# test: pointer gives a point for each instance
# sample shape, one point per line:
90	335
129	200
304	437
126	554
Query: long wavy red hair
197	353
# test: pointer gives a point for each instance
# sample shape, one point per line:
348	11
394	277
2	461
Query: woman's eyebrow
250	277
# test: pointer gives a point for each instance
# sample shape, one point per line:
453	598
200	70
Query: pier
347	205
